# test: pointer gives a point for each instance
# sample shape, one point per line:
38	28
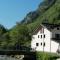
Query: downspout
50	41
43	39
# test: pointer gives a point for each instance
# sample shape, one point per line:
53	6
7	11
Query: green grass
46	56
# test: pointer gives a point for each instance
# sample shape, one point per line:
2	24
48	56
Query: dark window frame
38	36
41	43
41	36
57	36
44	36
37	44
57	28
44	44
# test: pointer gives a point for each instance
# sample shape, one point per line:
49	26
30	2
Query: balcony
55	38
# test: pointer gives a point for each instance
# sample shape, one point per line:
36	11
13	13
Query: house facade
46	38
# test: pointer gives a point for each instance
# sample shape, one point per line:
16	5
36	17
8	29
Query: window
41	36
41	43
57	28
44	36
57	35
44	43
37	44
38	36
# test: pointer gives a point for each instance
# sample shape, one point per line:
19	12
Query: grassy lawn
46	56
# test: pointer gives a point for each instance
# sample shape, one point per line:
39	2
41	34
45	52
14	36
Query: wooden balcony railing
55	38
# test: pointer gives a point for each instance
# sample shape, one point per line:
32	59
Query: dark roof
50	26
37	29
47	25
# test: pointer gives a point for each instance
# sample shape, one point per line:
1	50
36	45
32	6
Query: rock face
20	57
33	15
16	57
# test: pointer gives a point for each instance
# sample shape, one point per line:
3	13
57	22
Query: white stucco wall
54	46
36	40
47	40
42	40
50	45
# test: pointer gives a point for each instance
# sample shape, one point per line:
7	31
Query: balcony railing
55	38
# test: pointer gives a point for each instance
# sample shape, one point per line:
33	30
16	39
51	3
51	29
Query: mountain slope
52	15
33	15
21	33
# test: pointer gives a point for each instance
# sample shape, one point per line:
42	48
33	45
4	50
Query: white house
46	38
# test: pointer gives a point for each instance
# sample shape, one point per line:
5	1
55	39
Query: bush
46	56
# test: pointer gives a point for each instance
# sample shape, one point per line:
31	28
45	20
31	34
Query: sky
12	11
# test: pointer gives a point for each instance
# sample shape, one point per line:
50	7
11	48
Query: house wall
47	40
54	43
55	31
42	40
54	46
50	45
36	40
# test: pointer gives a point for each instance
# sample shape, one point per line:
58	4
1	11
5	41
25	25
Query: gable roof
36	30
50	27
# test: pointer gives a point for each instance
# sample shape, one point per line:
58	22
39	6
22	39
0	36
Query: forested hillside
20	34
52	15
33	15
